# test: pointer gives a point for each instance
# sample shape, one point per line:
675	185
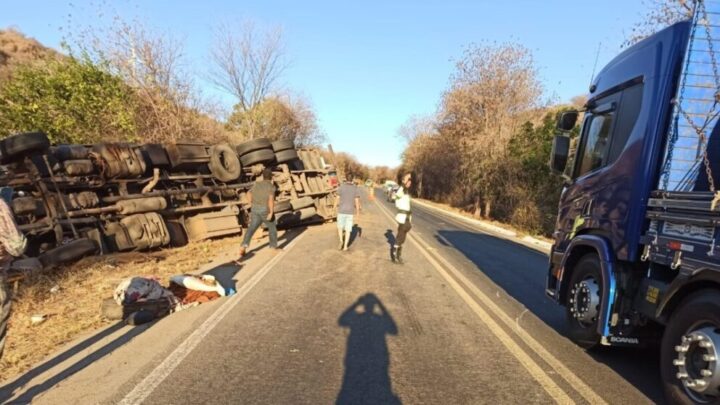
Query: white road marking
162	371
533	368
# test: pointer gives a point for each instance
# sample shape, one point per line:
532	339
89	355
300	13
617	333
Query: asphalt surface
464	320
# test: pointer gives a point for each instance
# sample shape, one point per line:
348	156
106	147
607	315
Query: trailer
76	200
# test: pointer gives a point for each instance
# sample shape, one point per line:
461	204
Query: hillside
16	48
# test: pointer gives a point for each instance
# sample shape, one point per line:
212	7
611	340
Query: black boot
398	255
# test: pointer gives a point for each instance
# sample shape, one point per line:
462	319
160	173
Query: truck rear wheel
20	145
690	351
582	306
224	163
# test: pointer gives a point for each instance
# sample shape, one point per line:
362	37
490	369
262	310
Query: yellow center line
530	365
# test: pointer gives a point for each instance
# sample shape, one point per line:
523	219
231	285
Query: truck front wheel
582	302
690	350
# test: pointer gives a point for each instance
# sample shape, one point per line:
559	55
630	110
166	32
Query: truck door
585	202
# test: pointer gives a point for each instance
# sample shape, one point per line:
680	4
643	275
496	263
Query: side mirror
560	154
566	120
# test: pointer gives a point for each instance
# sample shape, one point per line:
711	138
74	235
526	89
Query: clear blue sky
368	66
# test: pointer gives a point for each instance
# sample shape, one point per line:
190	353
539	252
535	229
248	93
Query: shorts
345	222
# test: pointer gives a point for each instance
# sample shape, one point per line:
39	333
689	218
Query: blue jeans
259	216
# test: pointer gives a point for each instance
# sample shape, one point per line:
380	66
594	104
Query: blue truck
636	253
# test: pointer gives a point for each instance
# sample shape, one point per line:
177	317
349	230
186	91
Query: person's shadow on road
391	242
355	233
367	359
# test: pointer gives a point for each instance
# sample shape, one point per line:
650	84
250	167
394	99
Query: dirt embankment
17	49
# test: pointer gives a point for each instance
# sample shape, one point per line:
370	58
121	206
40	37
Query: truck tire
69	252
258	156
253	145
281	206
582	316
697	316
285	156
283	144
178	236
300	203
224	163
18	146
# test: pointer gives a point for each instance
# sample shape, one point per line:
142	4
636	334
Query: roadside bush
72	100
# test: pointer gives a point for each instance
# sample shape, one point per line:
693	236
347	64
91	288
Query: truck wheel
284	156
253	145
690	352
224	163
283	144
19	145
259	156
582	306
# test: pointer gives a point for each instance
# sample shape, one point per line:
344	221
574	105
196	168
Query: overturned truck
76	200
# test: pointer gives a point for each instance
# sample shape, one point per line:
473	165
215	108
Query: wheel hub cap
697	361
585	300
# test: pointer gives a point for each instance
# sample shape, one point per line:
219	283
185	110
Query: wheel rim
585	301
697	362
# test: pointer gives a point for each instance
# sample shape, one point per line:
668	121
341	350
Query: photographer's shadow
367	359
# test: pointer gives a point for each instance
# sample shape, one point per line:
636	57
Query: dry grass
75	307
468	214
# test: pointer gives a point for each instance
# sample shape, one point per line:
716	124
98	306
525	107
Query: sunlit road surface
464	320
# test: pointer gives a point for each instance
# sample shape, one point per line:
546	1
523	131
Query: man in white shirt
403	217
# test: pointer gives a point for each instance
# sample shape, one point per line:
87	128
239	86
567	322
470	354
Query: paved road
515	274
463	321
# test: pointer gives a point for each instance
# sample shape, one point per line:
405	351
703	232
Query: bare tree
153	63
417	125
661	13
247	63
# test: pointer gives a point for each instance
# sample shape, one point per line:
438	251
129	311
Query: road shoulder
115	356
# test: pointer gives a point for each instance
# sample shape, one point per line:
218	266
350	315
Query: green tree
72	100
533	206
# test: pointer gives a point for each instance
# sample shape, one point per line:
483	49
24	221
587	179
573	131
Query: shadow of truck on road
521	271
366	379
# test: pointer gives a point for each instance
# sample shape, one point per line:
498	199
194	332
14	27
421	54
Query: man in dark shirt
349	195
262	200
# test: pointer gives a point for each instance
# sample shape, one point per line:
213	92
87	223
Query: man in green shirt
262	200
